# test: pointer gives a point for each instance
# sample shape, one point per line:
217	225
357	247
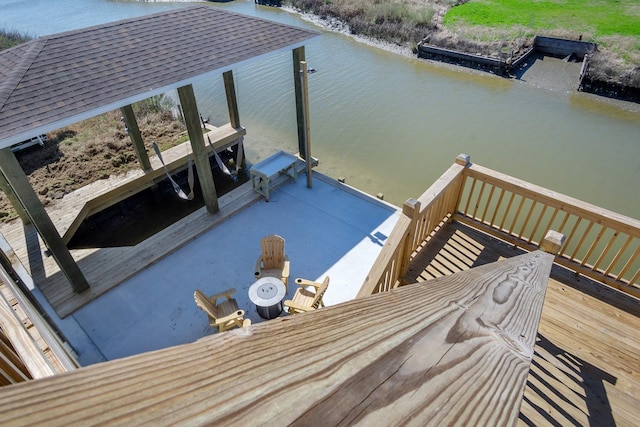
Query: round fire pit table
267	294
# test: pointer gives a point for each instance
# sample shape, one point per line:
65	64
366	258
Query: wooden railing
419	222
600	244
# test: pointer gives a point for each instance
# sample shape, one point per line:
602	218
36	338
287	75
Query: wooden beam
22	188
232	101
201	157
136	137
305	114
298	58
234	117
453	350
30	354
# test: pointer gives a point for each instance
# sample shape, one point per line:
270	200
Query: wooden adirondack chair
273	262
222	316
308	296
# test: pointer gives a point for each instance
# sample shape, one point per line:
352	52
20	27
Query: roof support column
20	185
234	117
194	127
136	137
232	101
298	58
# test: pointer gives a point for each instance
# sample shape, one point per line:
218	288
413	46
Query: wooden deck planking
585	367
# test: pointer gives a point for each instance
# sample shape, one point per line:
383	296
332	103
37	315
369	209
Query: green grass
596	17
9	38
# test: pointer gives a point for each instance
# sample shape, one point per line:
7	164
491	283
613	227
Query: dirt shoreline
439	36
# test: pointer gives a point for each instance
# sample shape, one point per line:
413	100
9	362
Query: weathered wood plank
455	350
33	359
584	369
201	157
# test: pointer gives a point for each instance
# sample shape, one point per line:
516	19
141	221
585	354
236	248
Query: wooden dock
586	354
108	267
105	268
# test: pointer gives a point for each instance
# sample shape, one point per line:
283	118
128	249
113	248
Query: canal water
390	123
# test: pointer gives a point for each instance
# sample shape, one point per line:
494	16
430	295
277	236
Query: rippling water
393	124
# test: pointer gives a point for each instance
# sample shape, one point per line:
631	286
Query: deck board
584	370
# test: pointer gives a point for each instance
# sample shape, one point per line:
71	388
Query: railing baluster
506	212
486	206
495	212
615	260
626	267
526	221
550	222
593	246
573	231
469	198
603	254
535	227
564	221
515	218
478	200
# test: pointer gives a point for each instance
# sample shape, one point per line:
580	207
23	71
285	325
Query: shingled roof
58	80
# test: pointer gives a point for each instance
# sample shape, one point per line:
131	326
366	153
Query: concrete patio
329	229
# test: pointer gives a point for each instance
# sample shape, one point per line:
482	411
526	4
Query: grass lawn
595	18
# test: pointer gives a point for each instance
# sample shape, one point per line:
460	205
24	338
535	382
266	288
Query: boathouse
58	80
486	300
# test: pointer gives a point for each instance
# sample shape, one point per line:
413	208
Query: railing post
411	209
553	242
463	159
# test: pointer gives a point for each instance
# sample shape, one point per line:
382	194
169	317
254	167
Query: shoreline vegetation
497	27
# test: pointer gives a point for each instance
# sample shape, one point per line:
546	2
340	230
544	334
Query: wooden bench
280	163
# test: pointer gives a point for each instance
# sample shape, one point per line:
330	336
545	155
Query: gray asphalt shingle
56	80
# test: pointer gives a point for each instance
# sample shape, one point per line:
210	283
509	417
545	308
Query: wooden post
305	116
234	115
6	189
22	188
411	209
464	160
194	127
232	101
298	57
136	137
553	242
